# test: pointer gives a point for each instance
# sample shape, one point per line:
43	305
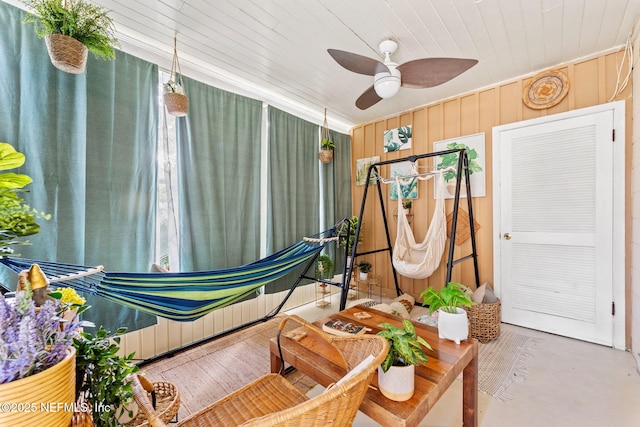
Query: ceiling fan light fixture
387	84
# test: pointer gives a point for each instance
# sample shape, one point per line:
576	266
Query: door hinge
613	308
613	135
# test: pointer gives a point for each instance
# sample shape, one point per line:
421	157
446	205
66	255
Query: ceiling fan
389	76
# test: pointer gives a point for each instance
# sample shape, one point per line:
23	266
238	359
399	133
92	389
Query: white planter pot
454	327
397	383
363	276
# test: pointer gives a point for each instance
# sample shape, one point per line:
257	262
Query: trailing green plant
84	21
451	160
407	204
327	144
324	267
102	375
450	297
364	266
17	219
405	345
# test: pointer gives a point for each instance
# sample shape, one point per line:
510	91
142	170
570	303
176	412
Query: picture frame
398	139
409	186
362	167
475	146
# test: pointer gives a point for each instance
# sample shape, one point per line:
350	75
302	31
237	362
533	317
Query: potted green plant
101	375
453	323
72	28
365	268
324	267
397	371
17	219
326	150
407	205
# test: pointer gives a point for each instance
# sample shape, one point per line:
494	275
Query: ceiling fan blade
429	72
357	63
368	98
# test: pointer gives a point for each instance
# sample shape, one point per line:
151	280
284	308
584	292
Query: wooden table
446	361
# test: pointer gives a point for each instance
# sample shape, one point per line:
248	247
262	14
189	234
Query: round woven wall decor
545	90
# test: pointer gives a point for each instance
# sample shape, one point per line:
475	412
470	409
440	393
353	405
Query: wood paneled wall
592	82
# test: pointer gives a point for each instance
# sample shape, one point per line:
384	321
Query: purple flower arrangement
32	339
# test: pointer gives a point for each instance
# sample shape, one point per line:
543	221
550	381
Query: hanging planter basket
174	97
177	104
66	53
325	156
326	145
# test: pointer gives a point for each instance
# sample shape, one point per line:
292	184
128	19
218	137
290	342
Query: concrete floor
569	383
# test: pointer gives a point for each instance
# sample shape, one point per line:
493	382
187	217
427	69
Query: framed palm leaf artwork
397	139
408	186
474	146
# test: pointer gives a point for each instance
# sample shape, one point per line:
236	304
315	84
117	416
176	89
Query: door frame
619	197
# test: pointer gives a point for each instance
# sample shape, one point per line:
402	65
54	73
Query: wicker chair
272	401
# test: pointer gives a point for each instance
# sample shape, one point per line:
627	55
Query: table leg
276	362
470	394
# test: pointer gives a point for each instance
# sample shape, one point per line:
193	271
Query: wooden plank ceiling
276	50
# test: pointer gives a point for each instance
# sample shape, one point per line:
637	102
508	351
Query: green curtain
90	142
293	200
336	189
218	179
340	187
341	176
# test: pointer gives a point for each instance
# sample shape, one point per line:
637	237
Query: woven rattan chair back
272	401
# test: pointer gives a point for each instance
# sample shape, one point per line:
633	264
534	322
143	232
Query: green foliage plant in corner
79	19
405	345
450	297
102	375
348	228
17	219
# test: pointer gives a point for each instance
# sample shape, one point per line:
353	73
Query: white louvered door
554	188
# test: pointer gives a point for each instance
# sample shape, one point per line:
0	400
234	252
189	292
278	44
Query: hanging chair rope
420	260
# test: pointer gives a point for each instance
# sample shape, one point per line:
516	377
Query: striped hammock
179	296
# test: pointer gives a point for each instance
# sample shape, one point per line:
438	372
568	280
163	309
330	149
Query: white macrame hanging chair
420	260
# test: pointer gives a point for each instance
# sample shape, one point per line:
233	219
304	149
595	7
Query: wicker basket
177	104
66	53
167	405
25	400
484	321
325	156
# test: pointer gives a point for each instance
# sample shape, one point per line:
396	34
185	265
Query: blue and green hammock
181	296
